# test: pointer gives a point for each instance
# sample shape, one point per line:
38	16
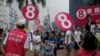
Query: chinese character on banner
37	21
40	27
64	21
83	12
30	12
96	18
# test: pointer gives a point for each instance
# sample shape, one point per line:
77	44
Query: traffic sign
30	12
64	21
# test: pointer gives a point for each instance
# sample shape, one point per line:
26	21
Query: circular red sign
81	14
40	27
64	21
37	21
30	12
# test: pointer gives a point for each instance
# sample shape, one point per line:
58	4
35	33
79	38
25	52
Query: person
97	34
91	23
52	38
47	36
69	43
87	30
16	42
60	40
36	43
89	20
89	47
77	39
1	41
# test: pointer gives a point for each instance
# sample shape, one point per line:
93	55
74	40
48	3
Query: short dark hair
53	32
21	27
90	42
87	27
37	31
1	30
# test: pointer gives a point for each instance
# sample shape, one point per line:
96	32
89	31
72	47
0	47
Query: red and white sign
64	21
37	21
96	18
83	12
40	27
30	12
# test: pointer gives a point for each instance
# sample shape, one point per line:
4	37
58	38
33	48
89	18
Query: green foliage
21	2
9	2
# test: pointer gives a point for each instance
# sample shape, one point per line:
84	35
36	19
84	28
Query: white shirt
26	45
36	38
68	37
77	35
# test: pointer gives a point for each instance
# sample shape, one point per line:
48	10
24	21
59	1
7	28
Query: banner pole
75	40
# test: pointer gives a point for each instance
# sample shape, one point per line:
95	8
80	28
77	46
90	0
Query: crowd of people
17	41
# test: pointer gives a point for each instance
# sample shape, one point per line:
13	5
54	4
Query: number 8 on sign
63	19
81	14
30	12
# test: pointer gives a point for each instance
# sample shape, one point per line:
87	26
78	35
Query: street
59	53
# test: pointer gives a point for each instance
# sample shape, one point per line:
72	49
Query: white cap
21	22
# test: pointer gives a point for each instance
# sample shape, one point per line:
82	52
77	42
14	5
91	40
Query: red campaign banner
30	12
96	18
83	12
81	22
64	21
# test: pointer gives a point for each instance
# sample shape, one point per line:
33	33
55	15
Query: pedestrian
69	42
1	41
60	40
53	38
91	23
16	42
78	39
36	43
46	37
89	47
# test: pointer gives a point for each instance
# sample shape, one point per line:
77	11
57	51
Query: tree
21	2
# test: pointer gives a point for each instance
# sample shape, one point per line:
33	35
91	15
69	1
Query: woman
36	43
77	39
89	46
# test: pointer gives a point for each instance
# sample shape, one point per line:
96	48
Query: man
91	23
53	40
69	43
16	41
